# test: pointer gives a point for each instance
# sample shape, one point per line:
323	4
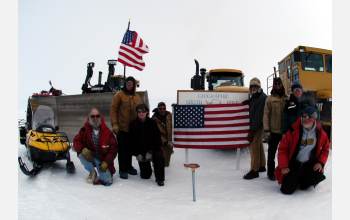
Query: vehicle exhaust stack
197	81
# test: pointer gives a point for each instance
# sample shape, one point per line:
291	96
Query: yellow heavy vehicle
220	80
312	67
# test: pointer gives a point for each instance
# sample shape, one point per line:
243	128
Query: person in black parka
256	112
146	145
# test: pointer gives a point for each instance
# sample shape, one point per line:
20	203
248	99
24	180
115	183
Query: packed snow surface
221	193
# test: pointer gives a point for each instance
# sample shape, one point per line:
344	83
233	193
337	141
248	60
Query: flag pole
124	64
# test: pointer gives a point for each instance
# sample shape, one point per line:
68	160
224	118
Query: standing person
163	118
256	111
146	144
273	118
96	146
122	113
302	153
293	106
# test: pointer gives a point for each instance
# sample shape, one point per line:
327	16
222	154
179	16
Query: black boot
271	176
123	175
132	171
160	183
262	169
251	175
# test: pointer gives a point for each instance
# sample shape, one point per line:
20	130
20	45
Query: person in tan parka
123	111
272	121
163	119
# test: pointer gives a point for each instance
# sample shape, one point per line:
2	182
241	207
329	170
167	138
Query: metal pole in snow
238	158
193	185
186	155
124	64
193	167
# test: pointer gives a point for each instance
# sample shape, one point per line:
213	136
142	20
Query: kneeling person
302	153
146	145
96	146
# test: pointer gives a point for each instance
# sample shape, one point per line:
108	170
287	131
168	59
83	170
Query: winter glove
115	129
87	154
139	158
148	156
104	166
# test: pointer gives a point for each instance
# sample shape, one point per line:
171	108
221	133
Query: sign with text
193	97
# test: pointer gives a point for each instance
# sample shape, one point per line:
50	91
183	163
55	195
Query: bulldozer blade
71	110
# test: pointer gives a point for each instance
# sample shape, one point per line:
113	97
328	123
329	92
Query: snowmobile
43	142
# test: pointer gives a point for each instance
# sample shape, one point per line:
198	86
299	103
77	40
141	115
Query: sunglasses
161	108
141	111
254	86
307	116
94	116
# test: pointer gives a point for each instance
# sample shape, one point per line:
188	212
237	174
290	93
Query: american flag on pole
214	126
131	50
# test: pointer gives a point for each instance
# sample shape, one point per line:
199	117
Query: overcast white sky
58	38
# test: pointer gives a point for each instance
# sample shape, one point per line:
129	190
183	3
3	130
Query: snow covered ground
222	193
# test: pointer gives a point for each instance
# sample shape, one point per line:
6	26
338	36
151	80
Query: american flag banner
131	50
213	126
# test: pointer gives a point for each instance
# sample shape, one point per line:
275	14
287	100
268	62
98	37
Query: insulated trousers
124	151
105	177
301	175
158	165
257	154
271	152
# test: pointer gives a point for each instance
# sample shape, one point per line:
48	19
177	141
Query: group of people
133	133
291	126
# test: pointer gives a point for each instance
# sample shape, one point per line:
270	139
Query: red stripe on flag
209	132
130	51
226	125
210	139
131	59
226	112
219	147
128	64
224	105
227	118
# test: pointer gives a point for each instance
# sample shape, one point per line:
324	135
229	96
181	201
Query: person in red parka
96	147
302	153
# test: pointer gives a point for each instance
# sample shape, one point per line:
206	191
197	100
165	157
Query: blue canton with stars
189	116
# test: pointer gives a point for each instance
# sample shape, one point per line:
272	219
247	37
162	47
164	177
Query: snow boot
100	182
92	176
123	175
160	183
251	175
132	171
271	176
262	169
